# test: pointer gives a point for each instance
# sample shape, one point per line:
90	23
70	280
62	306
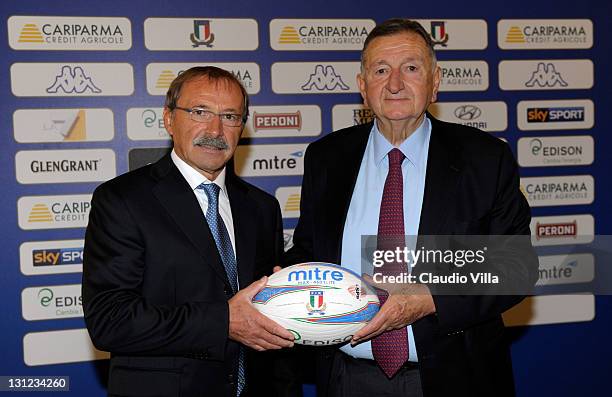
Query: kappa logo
202	34
545	75
73	81
438	33
324	78
467	112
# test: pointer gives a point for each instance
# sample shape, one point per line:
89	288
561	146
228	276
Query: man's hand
276	269
250	327
404	306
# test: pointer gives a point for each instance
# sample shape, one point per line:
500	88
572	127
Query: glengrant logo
555	151
69	33
555	115
289	199
319	34
51	257
52	302
63	125
566	269
146	124
314	77
65	166
464	75
269	160
201	34
53	212
324	78
554	74
160	75
344	116
544	33
487	116
85	79
283	121
559	190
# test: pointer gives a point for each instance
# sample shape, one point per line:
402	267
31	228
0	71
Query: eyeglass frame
242	118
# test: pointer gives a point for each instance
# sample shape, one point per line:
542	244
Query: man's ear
436	84
168	115
362	87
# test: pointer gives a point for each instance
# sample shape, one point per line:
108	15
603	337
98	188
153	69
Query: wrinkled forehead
403	41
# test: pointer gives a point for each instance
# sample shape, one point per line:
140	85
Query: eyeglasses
201	115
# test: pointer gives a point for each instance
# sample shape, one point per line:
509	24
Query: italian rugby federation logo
316	304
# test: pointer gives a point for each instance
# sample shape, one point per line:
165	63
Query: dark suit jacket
471	187
154	286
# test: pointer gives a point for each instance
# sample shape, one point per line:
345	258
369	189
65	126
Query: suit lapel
341	182
244	229
443	171
175	195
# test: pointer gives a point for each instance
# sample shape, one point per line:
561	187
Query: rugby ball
320	303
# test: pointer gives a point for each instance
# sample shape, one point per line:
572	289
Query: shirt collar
413	147
193	177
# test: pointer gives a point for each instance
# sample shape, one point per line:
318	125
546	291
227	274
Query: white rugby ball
320	303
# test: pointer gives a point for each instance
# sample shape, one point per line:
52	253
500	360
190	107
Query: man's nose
395	83
215	126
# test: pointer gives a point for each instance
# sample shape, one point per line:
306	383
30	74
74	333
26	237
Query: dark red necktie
390	349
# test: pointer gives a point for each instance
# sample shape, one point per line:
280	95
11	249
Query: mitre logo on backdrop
563	229
53	212
566	269
546	74
269	160
51	257
487	116
289	199
70	79
464	75
69	33
555	115
160	75
319	34
63	125
544	33
201	34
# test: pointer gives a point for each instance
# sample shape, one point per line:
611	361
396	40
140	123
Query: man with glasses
172	251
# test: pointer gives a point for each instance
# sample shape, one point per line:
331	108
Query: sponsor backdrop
82	102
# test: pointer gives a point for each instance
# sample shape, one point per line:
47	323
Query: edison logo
292	203
164	79
30	34
40	213
289	36
515	35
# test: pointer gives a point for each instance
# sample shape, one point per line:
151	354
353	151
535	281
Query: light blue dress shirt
362	217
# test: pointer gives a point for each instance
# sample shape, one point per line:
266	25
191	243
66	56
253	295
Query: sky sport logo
57	257
555	114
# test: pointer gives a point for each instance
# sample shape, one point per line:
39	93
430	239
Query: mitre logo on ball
320	303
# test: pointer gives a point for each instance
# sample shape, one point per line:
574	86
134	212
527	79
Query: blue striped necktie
226	252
